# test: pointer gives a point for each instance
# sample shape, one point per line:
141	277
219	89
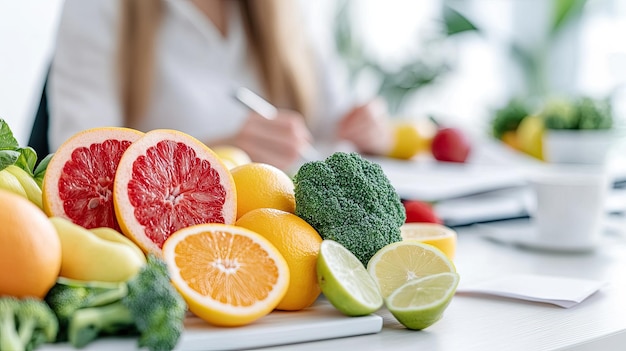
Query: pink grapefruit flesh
78	184
168	180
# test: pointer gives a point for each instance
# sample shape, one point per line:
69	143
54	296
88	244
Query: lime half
421	302
345	282
400	262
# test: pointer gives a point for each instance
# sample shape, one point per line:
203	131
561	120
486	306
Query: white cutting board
318	322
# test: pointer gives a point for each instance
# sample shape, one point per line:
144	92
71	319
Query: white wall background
27	30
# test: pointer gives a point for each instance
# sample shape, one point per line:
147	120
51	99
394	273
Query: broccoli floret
560	113
349	199
88	323
68	296
509	117
157	308
577	113
26	324
147	305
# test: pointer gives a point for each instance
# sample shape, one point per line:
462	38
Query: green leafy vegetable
349	199
23	157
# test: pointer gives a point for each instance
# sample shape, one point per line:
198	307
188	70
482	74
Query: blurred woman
150	64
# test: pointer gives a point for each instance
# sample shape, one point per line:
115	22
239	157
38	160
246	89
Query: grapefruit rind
51	198
127	213
207	308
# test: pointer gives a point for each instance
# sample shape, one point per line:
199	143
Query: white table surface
492	323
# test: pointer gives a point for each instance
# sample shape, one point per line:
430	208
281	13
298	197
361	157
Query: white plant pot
577	146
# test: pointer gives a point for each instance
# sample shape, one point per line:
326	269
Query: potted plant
577	130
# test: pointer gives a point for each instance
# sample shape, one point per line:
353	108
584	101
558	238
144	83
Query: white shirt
195	72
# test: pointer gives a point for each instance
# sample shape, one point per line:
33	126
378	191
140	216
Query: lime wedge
400	262
421	302
345	282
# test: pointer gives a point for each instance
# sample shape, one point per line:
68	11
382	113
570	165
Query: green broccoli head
349	199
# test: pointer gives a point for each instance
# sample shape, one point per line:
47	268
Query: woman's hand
277	141
367	127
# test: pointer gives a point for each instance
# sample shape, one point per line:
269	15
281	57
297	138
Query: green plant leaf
27	159
455	22
40	170
7	140
563	11
8	157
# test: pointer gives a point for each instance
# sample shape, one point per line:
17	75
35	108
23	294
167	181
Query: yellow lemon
298	243
410	139
260	185
530	136
440	236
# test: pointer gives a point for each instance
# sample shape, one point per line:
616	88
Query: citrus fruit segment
421	302
437	235
229	276
168	180
299	244
260	185
30	253
399	262
345	281
78	184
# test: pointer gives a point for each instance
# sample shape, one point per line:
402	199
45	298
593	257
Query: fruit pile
159	219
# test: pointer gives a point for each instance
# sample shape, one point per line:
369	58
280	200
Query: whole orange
298	243
30	249
260	185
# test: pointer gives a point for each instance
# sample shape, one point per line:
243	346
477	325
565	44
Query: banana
33	191
10	182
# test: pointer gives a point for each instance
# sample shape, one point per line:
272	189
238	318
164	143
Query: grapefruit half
78	184
168	180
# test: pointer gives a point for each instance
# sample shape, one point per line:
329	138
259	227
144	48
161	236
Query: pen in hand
266	110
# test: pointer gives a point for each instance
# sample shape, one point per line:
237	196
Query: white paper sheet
561	291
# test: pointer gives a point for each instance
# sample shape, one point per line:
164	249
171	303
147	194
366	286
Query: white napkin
560	291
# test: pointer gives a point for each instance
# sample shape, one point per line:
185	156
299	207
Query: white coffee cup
569	207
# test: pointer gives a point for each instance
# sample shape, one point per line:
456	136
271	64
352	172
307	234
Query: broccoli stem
87	323
25	332
9	339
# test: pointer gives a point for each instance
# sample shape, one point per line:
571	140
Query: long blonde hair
278	47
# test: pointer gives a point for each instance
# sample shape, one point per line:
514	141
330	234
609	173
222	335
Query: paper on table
436	181
560	291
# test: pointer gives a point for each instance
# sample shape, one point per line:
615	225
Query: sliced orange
229	276
168	180
78	184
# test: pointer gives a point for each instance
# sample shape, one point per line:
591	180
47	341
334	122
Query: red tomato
418	211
